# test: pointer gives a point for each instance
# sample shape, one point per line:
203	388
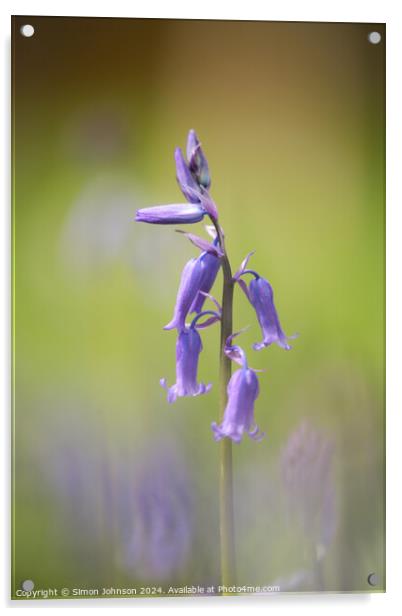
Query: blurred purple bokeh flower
307	474
136	504
157	528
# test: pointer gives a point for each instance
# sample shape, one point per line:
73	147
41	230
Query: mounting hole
28	585
27	30
374	38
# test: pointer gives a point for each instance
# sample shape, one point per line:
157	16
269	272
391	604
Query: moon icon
372	579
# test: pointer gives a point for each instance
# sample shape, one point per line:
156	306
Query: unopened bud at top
197	161
185	178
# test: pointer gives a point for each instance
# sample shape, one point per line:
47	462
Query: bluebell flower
242	390
172	214
188	349
261	296
197	161
185	179
193	175
210	261
196	282
197	278
190	284
211	265
193	180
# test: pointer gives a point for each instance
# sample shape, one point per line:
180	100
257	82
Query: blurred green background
291	117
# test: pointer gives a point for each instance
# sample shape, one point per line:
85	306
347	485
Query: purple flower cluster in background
157	518
308	479
133	507
197	280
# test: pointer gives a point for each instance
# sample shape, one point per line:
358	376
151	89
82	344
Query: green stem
227	536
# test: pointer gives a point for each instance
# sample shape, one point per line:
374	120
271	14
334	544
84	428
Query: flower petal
209	204
172	214
243	265
211	266
203	244
185	179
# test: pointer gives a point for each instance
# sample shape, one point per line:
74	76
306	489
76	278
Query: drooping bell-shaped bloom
197	278
211	260
172	214
242	390
190	284
262	298
197	161
211	265
188	349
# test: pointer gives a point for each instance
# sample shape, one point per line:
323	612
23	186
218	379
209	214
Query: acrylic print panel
137	470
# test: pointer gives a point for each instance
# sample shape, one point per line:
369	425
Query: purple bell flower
242	390
262	298
211	265
172	214
188	349
188	185
197	161
190	284
197	278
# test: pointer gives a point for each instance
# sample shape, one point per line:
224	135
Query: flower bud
197	161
